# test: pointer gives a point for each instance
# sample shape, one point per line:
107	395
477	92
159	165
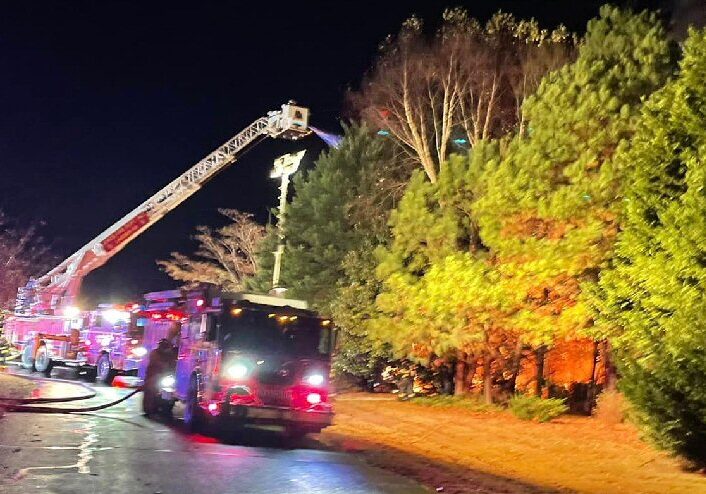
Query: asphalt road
118	450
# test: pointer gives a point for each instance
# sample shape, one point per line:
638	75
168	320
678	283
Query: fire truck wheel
167	409
192	412
90	373
294	433
42	360
28	356
104	369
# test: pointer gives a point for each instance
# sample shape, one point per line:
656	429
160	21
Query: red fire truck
113	341
98	344
247	360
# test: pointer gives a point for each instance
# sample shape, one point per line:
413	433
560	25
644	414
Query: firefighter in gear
162	362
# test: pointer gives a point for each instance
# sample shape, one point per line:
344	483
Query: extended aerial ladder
57	290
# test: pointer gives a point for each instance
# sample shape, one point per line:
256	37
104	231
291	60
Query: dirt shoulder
15	387
466	452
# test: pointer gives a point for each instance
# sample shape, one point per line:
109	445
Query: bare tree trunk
516	361
471	366
540	354
487	379
592	385
460	374
611	373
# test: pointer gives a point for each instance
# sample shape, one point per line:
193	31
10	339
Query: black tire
90	373
228	431
193	417
167	410
104	369
42	360
294	435
47	371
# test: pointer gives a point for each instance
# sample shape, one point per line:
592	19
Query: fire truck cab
113	341
249	360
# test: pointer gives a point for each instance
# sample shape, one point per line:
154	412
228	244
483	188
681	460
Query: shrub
533	408
611	407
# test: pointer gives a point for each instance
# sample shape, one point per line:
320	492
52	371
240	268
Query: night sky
104	102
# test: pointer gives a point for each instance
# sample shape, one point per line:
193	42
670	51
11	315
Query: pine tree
652	302
550	211
320	227
357	353
435	220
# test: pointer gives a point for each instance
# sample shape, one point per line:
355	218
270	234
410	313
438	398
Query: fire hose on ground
29	405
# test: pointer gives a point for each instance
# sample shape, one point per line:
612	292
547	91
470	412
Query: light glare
237	371
167	382
315	379
313	398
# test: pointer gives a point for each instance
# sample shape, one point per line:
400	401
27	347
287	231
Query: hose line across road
19	407
29	405
120	450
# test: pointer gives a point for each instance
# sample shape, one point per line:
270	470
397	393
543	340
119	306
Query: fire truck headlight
314	379
313	398
167	382
139	351
237	371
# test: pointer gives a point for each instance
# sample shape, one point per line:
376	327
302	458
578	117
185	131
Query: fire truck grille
279	378
275	396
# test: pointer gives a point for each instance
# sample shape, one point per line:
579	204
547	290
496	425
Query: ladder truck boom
60	286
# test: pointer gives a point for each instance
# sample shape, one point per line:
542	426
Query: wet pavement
119	450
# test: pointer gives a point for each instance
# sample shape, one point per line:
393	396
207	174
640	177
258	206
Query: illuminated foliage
550	213
492	256
441	294
652	302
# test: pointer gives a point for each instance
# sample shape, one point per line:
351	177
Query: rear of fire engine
252	360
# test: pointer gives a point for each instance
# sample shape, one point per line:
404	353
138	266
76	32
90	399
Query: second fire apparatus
99	344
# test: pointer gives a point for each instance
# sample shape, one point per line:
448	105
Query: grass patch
471	403
539	409
468	453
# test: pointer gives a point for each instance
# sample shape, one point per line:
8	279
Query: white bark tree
467	83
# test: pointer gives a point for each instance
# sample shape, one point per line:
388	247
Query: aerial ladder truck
45	323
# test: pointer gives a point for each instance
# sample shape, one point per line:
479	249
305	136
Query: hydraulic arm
59	287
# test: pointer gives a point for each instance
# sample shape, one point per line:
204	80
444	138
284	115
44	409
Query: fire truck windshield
269	333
